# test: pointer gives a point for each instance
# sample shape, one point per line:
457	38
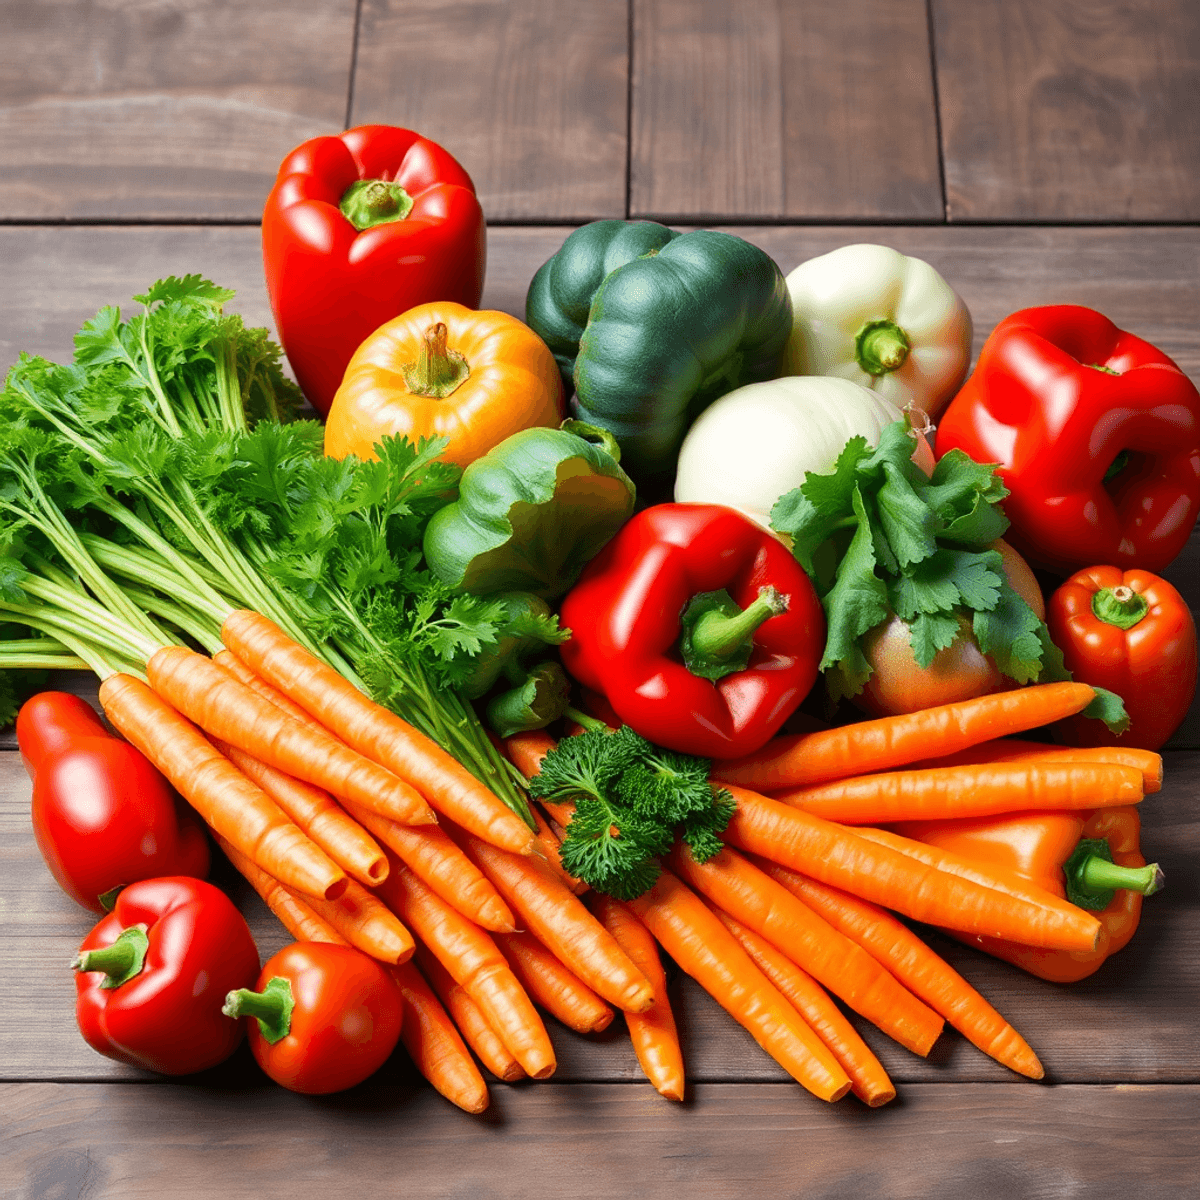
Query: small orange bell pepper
444	370
1090	858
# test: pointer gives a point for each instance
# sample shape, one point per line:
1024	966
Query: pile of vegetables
488	721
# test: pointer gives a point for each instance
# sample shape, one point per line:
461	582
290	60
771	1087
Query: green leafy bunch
878	536
632	799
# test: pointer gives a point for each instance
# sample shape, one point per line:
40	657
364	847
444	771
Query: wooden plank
769	109
176	110
599	1142
1056	110
1135	1020
529	96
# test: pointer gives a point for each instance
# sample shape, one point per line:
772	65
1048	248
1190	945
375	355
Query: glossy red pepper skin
167	1018
346	1021
103	816
330	284
1151	665
1038	405
624	617
1034	846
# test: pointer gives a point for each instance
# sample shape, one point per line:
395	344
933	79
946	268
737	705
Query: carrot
855	861
525	751
439	862
373	731
800	759
295	914
653	1033
710	954
755	900
428	851
969	790
435	1045
318	815
476	1032
475	963
912	962
561	922
548	843
235	808
560	992
226	708
1017	750
228	661
1000	879
868	1080
367	924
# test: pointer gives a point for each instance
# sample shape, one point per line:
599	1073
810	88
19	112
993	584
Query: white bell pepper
883	320
757	443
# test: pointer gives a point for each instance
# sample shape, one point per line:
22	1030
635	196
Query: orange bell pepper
1091	858
444	370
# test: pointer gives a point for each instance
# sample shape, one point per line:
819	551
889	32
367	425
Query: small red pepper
1133	633
358	229
698	627
1090	858
103	816
325	1017
1097	437
151	977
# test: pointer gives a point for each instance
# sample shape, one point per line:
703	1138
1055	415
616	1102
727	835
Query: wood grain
599	1142
774	108
530	96
163	109
1066	110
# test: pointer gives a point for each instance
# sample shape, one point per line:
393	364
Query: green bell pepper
531	513
654	325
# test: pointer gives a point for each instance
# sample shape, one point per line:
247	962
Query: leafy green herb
877	536
632	799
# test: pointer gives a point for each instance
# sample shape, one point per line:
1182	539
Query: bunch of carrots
356	828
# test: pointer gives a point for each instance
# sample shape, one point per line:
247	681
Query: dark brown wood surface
530	97
1031	117
769	109
1069	110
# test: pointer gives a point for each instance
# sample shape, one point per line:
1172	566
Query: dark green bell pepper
654	326
531	513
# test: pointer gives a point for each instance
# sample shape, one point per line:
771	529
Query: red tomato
103	816
345	1019
960	672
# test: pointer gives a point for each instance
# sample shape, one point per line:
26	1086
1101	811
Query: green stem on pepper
1120	606
120	961
718	637
881	346
272	1007
438	371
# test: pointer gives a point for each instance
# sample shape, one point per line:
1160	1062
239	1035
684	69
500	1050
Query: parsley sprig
877	536
632	799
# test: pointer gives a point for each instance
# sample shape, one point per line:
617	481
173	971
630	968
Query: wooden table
1034	151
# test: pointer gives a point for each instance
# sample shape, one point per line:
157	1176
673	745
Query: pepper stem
1098	874
1120	606
120	961
1093	879
585	720
370	202
438	370
718	636
272	1007
881	346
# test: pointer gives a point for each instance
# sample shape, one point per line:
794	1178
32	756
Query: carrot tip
671	1092
513	1073
544	1072
603	1022
337	887
878	1099
840	1092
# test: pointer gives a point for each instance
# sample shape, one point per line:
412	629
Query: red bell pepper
324	1017
1133	633
698	627
151	977
358	229
1091	858
1097	437
103	816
